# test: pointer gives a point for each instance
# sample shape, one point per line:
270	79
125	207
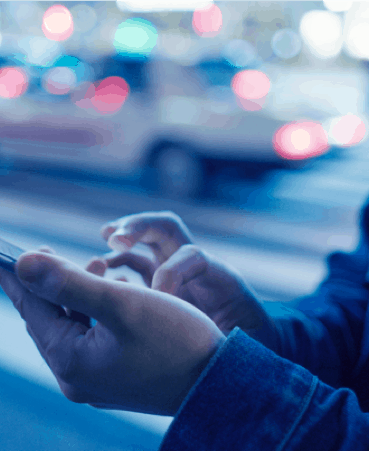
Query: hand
145	352
184	270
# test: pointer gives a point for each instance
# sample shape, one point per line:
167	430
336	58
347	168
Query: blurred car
174	133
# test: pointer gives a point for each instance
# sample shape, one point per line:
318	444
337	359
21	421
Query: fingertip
107	230
30	265
120	243
97	265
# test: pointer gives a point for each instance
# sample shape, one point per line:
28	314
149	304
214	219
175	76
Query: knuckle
169	214
196	251
171	217
166	280
164	272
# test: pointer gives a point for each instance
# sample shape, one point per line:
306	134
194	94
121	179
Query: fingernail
107	230
98	263
119	243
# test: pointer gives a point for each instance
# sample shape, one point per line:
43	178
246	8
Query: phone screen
9	255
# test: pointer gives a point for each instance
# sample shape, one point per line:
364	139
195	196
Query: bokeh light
250	84
322	32
13	82
40	51
357	39
82	70
207	21
135	37
338	5
286	43
300	140
110	94
240	53
57	23
84	17
346	130
59	80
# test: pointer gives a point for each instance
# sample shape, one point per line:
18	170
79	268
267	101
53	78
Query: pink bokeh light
300	140
208	21
13	82
250	84
348	130
105	97
57	23
110	94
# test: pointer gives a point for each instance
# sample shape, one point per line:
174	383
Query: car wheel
178	172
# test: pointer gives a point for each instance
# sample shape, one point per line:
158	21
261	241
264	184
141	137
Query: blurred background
248	119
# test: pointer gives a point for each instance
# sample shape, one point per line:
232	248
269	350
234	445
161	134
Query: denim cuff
247	398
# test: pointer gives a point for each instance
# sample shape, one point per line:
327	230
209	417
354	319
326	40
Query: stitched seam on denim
303	408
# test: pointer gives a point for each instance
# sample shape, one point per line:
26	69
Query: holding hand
145	352
182	269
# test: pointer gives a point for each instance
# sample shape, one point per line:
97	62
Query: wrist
263	329
194	374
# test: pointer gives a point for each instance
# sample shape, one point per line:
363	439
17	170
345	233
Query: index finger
164	232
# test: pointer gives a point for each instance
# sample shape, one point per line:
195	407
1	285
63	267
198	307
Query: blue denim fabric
328	332
314	395
248	398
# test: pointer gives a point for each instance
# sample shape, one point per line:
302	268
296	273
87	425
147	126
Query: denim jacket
310	393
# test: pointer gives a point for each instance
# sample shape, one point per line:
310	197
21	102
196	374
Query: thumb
61	282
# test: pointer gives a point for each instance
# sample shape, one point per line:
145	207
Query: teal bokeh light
135	38
81	69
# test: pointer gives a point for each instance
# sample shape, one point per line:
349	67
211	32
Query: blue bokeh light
82	70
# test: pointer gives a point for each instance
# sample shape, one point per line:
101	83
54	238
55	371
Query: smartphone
9	255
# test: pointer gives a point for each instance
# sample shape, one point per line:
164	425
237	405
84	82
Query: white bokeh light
338	5
357	39
347	130
322	32
286	43
40	51
300	139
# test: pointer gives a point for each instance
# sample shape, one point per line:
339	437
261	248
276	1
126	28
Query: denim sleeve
250	399
328	332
